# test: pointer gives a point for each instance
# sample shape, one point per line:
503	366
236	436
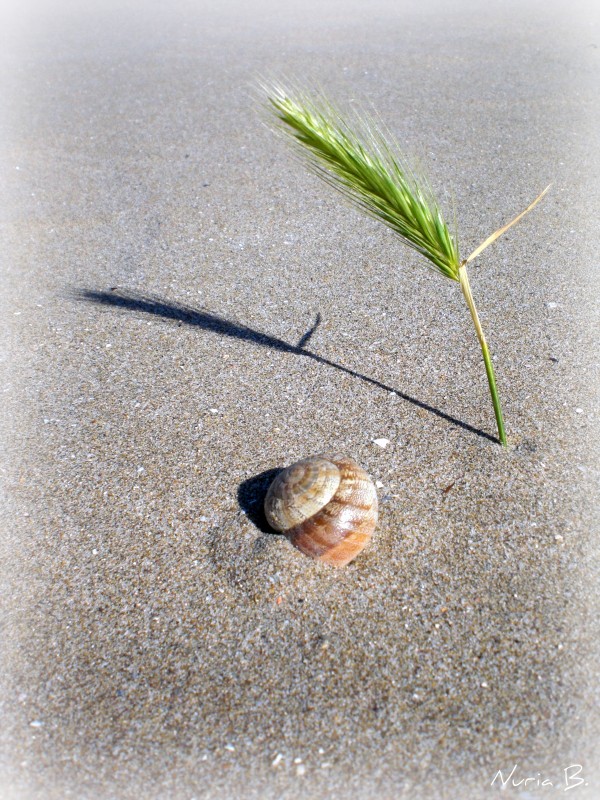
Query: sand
165	262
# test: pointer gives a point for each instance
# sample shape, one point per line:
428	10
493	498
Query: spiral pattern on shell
326	505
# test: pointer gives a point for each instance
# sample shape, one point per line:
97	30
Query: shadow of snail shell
326	505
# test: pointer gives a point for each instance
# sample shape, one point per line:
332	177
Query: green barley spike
366	171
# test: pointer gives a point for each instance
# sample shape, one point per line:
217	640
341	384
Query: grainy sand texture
186	309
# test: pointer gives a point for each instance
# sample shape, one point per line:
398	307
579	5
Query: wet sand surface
187	310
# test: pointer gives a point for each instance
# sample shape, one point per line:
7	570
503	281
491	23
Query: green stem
466	290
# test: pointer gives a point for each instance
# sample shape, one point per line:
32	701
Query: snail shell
326	505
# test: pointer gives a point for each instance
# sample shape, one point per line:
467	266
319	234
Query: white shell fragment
383	443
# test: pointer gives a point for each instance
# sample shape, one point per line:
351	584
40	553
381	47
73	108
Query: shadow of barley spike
364	168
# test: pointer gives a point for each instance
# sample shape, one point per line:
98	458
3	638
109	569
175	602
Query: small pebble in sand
383	443
552	305
300	770
276	760
230	747
379	484
37	723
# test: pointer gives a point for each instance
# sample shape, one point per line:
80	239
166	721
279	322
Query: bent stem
366	171
466	290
